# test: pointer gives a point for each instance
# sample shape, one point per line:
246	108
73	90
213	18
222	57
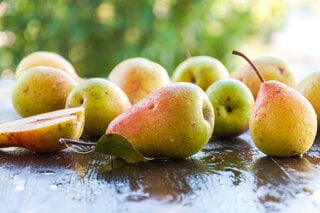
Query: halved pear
41	133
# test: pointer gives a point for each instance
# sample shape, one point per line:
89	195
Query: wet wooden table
226	176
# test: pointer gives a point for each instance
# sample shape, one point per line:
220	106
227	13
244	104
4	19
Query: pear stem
254	67
67	141
81	147
187	53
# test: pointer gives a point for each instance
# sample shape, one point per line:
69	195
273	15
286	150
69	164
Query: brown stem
235	52
187	53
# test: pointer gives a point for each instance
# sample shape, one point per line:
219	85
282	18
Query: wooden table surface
226	176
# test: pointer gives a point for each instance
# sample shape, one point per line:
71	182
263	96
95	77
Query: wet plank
226	176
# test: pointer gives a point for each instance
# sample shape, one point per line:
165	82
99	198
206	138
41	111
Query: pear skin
41	89
309	87
271	67
137	77
174	121
283	123
45	58
41	133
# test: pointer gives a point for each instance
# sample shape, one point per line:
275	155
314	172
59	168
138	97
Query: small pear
283	123
41	133
174	121
41	89
201	70
102	100
45	58
137	77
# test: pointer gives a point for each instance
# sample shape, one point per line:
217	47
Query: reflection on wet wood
226	176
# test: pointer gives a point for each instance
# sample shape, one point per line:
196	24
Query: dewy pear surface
174	121
309	87
282	123
41	133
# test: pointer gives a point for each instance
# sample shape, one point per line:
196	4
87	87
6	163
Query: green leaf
118	146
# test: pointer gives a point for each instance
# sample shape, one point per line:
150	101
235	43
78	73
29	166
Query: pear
137	77
102	100
41	133
283	122
45	58
41	89
309	87
174	121
232	102
271	67
201	70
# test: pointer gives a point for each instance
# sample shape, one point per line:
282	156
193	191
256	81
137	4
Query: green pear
174	121
102	100
232	102
41	133
283	122
41	89
309	87
137	77
200	70
271	67
45	58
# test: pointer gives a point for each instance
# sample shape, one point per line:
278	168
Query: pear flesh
41	133
283	123
174	121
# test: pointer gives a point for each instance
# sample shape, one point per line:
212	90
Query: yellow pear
271	67
41	89
282	123
45	58
309	87
41	133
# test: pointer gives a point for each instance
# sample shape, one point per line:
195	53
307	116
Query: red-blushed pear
283	123
200	70
46	58
41	89
271	67
232	102
174	121
309	87
41	133
102	100
137	77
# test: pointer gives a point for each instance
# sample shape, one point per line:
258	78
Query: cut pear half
41	133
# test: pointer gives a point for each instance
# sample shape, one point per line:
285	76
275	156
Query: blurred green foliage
95	35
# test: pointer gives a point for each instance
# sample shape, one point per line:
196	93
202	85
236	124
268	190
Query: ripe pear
283	122
200	70
309	87
45	58
271	67
137	77
174	121
41	133
41	89
102	100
